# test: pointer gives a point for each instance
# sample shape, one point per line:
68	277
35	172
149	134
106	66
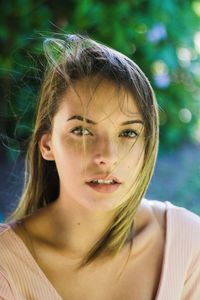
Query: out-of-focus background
162	37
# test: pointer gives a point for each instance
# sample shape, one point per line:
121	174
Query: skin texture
60	234
110	149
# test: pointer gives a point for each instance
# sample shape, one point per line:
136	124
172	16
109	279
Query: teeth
101	181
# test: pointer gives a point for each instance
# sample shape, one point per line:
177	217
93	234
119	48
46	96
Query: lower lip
104	188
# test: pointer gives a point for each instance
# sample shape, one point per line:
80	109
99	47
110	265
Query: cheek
69	146
133	152
67	153
134	159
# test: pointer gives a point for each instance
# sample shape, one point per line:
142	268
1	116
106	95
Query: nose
105	152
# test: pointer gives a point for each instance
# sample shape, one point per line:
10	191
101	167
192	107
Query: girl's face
108	145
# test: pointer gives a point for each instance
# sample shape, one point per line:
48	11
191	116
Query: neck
75	229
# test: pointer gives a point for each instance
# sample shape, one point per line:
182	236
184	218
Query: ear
45	147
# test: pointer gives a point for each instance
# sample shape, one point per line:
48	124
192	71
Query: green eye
81	131
129	133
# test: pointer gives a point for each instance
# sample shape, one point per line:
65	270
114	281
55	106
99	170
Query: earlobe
45	147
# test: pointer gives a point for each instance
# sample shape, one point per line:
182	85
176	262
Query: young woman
83	229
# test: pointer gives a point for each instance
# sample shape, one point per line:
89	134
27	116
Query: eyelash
80	128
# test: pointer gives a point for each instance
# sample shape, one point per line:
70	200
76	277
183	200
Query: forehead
100	99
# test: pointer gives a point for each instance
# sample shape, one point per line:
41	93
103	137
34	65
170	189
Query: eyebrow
80	118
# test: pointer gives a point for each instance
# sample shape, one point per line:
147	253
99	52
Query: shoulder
175	214
155	211
183	218
8	243
6	246
6	291
4	229
182	226
150	222
11	246
180	223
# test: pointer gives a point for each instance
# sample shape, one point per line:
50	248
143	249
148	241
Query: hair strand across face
70	59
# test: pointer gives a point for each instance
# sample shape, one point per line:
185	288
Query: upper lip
104	177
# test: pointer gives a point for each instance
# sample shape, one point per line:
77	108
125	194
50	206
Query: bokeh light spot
196	7
141	28
160	74
197	41
157	33
185	115
184	55
159	67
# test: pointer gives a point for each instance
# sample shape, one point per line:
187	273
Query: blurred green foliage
160	36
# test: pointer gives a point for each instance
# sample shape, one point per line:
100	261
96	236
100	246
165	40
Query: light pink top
21	278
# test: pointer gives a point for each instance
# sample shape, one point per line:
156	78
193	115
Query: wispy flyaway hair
72	58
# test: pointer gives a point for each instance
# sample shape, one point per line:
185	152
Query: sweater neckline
31	259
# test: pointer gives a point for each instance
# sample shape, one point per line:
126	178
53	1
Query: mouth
104	180
104	188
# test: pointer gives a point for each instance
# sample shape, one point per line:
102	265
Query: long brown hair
71	58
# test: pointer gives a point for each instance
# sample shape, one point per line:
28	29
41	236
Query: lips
104	188
104	177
